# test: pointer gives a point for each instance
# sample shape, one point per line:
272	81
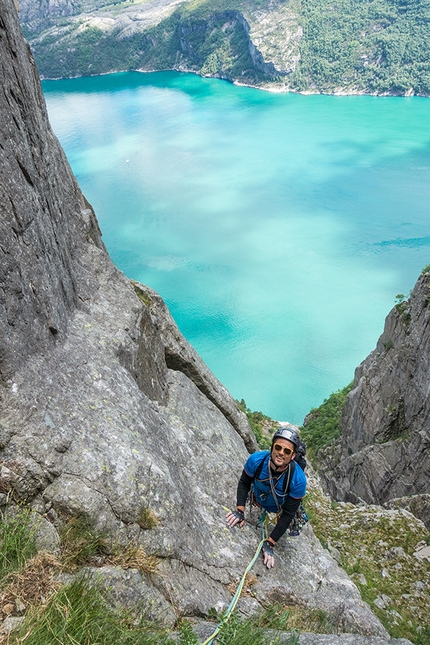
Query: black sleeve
243	488
288	511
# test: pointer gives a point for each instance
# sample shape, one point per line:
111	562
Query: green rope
233	603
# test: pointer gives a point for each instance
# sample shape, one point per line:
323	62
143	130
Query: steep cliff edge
43	273
384	454
106	411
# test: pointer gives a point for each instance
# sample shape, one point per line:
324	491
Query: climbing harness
236	596
273	481
300	518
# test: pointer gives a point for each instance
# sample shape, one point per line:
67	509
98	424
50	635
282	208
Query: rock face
106	411
41	10
180	356
205	630
384	452
42	273
157	34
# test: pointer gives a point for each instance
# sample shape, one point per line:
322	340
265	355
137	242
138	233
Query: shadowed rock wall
384	452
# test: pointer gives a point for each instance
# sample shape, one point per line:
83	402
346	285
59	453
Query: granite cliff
108	414
383	456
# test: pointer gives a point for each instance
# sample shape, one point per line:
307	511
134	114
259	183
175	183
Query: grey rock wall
181	356
105	410
45	220
384	452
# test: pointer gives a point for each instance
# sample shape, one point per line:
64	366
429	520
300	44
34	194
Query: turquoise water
278	228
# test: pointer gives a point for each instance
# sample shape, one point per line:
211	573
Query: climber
278	484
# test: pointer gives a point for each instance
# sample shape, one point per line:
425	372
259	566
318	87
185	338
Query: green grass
77	615
141	294
17	543
147	518
367	539
322	427
81	543
250	631
236	632
262	426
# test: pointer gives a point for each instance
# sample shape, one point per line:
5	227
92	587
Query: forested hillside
347	46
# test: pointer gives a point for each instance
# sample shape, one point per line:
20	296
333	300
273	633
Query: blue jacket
262	490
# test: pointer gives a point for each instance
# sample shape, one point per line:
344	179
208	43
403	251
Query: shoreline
266	88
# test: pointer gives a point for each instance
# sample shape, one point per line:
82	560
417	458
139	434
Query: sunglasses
286	451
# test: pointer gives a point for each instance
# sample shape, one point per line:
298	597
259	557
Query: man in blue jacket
278	483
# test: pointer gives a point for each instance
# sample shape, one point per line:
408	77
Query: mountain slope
380	47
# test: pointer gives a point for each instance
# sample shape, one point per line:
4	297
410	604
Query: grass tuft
17	543
141	294
147	519
253	631
81	544
33	584
134	557
77	615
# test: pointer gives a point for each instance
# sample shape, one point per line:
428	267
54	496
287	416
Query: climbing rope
233	603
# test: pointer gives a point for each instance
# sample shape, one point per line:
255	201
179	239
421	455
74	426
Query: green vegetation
81	543
141	294
261	425
17	543
147	518
402	308
377	548
322	427
388	345
379	46
77	615
251	631
215	44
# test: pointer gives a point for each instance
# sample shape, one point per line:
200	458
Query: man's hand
235	517
268	558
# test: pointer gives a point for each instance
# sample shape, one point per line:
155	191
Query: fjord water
277	227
